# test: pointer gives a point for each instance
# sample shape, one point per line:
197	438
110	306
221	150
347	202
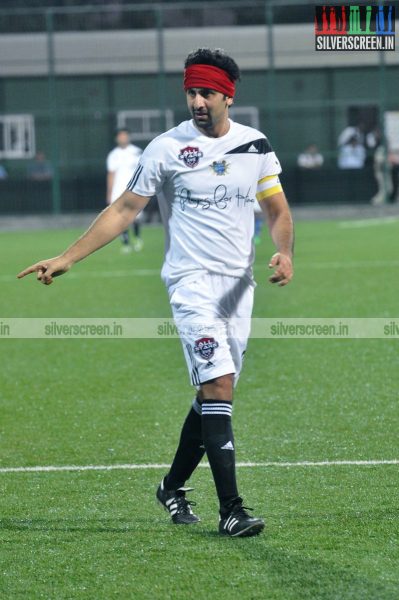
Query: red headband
210	77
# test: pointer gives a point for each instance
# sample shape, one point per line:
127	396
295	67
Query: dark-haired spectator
352	155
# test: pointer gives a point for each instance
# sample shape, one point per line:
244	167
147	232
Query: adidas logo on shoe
177	505
238	523
228	446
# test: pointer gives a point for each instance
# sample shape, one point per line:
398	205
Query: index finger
31	269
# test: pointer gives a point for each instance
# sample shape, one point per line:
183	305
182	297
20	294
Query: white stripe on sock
216	411
219	404
210	407
207	408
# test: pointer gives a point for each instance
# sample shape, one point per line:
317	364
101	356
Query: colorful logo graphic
220	167
355	28
205	347
190	155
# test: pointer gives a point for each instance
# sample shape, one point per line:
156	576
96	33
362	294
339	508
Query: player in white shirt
121	164
207	173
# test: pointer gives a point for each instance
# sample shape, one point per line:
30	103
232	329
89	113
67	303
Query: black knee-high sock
136	229
125	237
218	439
189	452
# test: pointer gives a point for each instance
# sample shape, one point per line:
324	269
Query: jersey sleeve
149	175
269	182
270	164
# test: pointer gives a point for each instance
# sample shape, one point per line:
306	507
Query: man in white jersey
207	173
121	164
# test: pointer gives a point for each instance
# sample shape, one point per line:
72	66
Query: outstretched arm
281	228
107	226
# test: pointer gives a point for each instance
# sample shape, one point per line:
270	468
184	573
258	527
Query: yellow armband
268	186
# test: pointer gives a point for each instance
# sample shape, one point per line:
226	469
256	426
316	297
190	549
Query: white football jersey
206	189
122	162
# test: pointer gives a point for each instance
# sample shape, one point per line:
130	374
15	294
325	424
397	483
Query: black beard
202	124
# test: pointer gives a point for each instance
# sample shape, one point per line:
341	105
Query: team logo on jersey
190	155
220	167
205	347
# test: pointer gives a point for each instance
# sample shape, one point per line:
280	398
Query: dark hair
216	58
122	130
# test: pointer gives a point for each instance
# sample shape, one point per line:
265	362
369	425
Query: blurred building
69	77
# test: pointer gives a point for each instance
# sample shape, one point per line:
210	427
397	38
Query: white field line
148	466
354	264
359	223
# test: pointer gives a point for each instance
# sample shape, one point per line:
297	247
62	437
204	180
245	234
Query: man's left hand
283	271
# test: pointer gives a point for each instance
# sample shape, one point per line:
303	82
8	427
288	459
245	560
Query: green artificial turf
332	531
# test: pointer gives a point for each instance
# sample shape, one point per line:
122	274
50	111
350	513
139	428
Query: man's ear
230	101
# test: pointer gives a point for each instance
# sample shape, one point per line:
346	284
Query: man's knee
220	388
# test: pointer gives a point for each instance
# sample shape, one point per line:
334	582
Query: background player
121	163
207	173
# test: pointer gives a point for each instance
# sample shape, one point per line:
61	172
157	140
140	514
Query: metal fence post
161	66
52	93
382	107
271	79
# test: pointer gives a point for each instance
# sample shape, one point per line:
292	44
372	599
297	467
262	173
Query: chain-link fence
70	76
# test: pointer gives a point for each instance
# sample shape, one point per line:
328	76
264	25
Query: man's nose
199	101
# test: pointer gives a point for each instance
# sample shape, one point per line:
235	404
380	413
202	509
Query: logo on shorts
220	167
190	155
206	347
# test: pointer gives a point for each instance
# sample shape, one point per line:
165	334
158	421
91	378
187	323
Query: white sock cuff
217	408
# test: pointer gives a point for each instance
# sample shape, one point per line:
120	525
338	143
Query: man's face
208	107
122	139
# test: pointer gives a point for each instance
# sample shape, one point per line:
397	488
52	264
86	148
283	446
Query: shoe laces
184	505
240	510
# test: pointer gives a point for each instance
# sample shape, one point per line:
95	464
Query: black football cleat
238	523
177	505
